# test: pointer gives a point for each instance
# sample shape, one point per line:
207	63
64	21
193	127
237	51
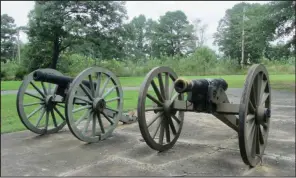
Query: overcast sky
210	12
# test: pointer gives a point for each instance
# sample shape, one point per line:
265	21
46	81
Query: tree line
98	29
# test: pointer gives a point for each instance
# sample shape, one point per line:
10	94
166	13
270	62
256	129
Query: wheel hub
49	104
168	110
99	104
262	114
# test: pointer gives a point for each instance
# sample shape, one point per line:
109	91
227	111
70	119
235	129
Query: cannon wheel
42	97
254	115
169	121
95	105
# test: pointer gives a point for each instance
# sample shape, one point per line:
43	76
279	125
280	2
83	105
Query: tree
57	25
8	38
229	32
280	21
200	30
174	34
137	43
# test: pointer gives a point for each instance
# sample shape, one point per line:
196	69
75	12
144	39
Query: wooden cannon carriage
205	96
72	101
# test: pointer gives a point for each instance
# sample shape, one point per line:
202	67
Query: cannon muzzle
182	85
199	85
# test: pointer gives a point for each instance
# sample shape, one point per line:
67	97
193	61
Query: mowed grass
234	81
10	121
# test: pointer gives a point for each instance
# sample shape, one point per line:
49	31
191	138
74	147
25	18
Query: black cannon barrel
200	85
54	79
51	78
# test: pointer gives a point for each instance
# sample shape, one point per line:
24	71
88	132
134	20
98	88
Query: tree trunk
56	53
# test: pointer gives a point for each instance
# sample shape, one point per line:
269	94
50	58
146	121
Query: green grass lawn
234	81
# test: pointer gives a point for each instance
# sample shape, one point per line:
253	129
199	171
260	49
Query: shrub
3	74
20	73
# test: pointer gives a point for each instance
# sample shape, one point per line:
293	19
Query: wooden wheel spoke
114	110
53	118
253	138
157	92
44	88
104	86
100	123
94	125
155	132
263	87
34	112
250	118
87	123
155	118
109	91
60	105
154	99
97	92
261	138
264	98
81	108
166	86
47	120
154	109
30	94
59	113
171	91
170	121
31	104
36	88
40	117
259	84
264	125
112	99
108	118
167	130
82	99
82	117
251	106
257	141
161	86
91	85
176	119
161	133
86	91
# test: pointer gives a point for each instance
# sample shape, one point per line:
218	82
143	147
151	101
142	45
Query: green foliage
3	74
8	39
20	73
57	25
9	69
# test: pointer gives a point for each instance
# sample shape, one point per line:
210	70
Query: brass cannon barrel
198	85
54	79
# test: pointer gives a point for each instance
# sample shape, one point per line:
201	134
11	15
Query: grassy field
234	81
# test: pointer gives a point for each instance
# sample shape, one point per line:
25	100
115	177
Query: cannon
90	104
161	107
